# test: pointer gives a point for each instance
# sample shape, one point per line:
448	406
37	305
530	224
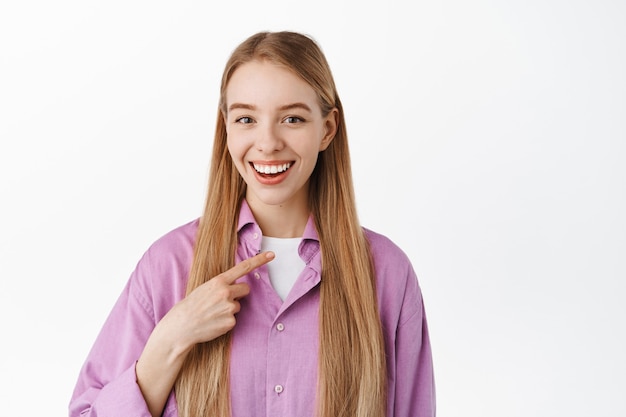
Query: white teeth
271	169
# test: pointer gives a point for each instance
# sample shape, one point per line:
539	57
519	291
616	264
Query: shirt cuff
122	397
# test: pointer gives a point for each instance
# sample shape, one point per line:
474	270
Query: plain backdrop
488	141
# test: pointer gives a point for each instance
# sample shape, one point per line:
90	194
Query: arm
411	388
207	313
106	384
134	362
415	387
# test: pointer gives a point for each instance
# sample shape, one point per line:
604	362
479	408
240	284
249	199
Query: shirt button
278	389
280	327
255	235
257	275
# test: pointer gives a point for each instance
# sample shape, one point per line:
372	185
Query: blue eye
244	120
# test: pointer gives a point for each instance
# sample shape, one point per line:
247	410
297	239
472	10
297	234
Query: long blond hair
352	367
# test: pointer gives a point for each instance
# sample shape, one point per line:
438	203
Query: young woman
276	302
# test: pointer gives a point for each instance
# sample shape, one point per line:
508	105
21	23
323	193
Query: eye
293	119
244	120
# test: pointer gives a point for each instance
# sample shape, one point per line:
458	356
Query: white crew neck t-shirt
286	266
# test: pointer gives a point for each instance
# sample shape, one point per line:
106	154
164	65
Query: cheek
310	151
238	142
235	147
235	154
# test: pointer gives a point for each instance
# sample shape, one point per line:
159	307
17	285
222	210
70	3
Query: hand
205	314
209	311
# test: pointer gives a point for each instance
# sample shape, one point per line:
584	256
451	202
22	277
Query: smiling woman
274	122
334	326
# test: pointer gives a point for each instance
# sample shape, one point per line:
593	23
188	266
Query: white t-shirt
286	266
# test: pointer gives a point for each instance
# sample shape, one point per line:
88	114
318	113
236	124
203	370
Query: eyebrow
240	106
295	106
281	108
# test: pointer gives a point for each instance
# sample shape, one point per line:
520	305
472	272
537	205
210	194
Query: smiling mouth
271	169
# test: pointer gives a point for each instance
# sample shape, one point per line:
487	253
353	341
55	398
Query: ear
331	121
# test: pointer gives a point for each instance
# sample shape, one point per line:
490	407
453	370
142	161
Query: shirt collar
245	216
249	234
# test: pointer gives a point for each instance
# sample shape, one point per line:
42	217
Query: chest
273	364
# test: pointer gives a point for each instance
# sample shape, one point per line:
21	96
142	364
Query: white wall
497	130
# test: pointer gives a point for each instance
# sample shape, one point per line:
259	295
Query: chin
273	197
272	200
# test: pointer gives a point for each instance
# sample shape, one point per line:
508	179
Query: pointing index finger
247	265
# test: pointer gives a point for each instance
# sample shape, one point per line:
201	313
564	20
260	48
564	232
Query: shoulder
177	242
398	292
385	252
173	251
160	277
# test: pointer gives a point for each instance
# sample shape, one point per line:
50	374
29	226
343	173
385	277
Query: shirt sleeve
107	384
414	387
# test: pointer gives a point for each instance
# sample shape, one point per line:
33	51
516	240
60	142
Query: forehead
262	83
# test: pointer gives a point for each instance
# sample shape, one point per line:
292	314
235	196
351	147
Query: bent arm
135	362
107	384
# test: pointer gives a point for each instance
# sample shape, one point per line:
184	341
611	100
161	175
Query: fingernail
269	255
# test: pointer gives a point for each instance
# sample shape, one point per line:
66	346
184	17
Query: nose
268	139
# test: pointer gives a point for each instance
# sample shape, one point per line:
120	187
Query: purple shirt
273	366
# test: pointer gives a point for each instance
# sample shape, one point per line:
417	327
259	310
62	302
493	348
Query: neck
280	220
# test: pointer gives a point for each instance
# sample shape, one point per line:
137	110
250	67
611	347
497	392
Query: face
275	131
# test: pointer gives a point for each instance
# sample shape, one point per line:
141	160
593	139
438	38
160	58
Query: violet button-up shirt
273	367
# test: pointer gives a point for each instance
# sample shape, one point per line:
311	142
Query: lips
271	173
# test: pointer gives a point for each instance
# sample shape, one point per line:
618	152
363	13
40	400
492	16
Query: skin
208	312
273	116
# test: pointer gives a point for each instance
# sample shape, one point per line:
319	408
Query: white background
488	140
